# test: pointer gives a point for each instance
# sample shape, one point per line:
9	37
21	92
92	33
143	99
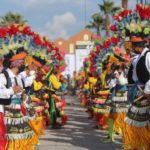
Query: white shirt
28	80
5	92
134	63
122	80
112	83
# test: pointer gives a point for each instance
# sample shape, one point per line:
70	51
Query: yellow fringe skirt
119	122
135	138
37	125
24	144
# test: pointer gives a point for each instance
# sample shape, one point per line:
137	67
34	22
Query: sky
55	18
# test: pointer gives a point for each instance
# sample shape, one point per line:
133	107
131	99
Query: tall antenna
85	11
141	1
146	2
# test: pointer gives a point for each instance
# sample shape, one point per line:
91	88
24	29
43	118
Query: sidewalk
78	134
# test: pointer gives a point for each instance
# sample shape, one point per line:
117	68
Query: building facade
76	48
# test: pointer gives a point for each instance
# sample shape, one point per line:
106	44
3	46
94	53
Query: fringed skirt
37	125
119	122
118	114
119	108
18	130
136	129
36	120
101	113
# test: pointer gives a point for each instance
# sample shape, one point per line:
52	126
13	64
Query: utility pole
85	11
146	2
125	4
141	1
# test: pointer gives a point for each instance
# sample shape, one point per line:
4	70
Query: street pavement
78	134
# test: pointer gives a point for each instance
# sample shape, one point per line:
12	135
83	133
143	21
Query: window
60	43
86	37
71	48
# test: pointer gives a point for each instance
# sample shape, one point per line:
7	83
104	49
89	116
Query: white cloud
60	25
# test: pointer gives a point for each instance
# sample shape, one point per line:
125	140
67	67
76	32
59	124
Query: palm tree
96	23
124	4
10	18
108	9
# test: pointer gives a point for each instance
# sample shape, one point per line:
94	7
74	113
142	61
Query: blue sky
55	18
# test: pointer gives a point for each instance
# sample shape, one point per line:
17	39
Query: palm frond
10	18
115	10
106	7
89	26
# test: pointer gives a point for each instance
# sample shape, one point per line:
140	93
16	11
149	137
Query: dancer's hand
17	89
147	96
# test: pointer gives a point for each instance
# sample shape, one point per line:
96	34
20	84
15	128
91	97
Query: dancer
136	131
18	131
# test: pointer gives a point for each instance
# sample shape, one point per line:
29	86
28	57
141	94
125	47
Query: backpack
5	101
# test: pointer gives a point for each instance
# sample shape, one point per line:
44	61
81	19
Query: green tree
10	18
108	9
97	23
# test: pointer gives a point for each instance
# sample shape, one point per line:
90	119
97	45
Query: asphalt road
78	134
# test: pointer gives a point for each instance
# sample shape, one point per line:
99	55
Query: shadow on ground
78	134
